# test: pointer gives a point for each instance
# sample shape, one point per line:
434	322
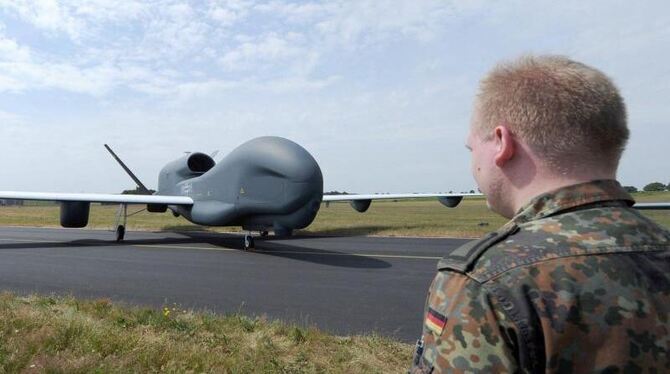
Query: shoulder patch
464	257
435	321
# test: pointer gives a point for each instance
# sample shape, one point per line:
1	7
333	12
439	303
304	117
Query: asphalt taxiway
345	285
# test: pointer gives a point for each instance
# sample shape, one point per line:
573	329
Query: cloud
269	47
11	51
47	15
228	13
298	12
21	70
358	23
113	44
371	21
77	20
365	82
11	119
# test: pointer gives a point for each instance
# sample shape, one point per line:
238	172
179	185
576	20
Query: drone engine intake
187	167
74	214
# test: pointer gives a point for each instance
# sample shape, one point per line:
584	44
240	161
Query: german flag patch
435	321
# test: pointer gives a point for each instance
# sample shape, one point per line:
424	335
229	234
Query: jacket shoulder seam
495	273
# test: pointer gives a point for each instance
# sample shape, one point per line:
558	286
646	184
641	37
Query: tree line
651	187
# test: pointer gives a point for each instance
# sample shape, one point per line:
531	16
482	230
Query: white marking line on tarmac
27	240
291	252
252	251
184	247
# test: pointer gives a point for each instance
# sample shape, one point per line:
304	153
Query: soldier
577	280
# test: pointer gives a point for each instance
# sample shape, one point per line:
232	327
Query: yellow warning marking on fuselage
242	191
290	252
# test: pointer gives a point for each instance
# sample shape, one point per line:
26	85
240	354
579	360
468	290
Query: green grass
65	335
660	216
387	218
408	218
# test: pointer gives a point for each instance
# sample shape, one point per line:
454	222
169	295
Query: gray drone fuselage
265	183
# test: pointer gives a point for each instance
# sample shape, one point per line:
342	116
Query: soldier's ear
504	144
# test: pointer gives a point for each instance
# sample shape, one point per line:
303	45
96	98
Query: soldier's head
542	121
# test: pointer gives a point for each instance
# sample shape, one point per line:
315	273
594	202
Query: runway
344	285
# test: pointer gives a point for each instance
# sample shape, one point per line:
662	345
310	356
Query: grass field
66	335
387	218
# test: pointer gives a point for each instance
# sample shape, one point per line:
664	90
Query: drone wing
97	198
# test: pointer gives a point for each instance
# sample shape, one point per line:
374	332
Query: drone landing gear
120	233
121	219
249	242
263	233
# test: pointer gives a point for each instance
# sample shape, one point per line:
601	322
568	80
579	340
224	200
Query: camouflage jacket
577	281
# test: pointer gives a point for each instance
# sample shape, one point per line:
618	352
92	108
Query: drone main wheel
120	233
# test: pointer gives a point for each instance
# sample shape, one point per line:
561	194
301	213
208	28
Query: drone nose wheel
249	242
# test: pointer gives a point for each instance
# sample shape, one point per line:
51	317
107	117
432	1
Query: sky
378	91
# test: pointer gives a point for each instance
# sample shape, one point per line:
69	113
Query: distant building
10	202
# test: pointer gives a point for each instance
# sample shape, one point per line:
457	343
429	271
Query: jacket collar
573	196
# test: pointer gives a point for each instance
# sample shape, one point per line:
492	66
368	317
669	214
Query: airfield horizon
423	218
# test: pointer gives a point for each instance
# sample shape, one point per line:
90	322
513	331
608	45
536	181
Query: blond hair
566	111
